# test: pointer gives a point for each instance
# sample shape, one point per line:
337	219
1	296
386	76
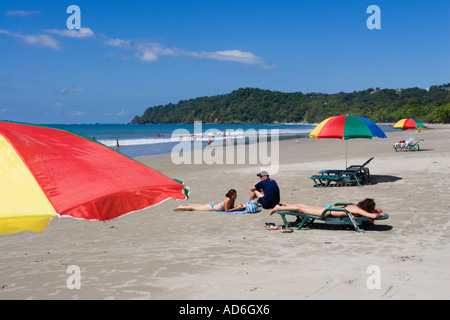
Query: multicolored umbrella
46	172
345	128
409	124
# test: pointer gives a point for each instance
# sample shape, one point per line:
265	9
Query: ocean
152	139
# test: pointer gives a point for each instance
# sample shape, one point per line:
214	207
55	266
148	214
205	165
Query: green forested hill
251	105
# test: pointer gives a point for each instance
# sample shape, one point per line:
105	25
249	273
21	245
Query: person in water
364	208
226	205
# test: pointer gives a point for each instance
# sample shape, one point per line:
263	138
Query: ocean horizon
137	140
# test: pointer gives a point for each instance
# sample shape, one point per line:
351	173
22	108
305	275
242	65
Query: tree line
253	105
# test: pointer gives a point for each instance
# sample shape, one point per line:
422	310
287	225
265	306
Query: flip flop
272	227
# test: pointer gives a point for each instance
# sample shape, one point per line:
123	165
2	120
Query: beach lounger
407	145
355	174
399	146
415	146
303	218
324	180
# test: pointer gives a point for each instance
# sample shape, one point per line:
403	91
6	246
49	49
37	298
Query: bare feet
275	209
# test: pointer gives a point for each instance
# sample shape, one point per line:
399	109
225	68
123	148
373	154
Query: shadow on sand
377	178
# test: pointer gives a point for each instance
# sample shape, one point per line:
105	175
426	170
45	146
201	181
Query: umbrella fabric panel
374	129
333	128
419	124
400	124
409	124
20	195
355	127
114	205
86	179
317	129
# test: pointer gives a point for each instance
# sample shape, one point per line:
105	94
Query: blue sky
130	55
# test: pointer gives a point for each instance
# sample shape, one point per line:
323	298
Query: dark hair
230	193
367	205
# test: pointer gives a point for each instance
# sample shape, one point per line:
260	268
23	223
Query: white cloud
149	52
122	112
22	13
235	55
243	57
144	50
72	33
41	40
3	110
47	41
148	56
65	90
120	43
37	40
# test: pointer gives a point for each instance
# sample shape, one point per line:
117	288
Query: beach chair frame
358	174
349	220
408	145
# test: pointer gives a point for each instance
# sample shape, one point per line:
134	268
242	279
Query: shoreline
162	254
280	138
306	136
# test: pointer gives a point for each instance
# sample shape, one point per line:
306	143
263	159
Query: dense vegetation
250	105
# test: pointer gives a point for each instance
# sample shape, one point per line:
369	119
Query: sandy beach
159	253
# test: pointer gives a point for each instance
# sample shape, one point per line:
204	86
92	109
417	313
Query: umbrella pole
346	153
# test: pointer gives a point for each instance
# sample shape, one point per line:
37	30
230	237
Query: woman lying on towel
226	205
364	208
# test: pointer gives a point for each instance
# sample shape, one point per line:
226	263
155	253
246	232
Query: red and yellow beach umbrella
46	172
409	124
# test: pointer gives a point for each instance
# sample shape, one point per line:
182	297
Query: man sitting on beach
266	191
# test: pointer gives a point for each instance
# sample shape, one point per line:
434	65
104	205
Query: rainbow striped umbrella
46	172
408	124
345	128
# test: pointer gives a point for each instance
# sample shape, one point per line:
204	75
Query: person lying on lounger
364	208
226	205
